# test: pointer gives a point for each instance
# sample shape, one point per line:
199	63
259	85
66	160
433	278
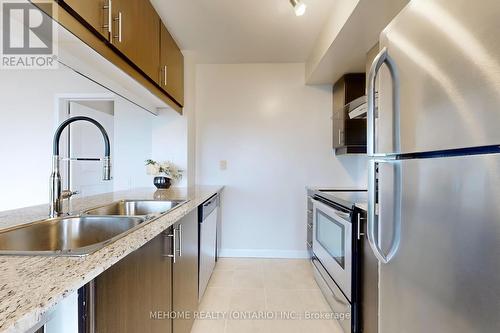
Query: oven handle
340	214
345	216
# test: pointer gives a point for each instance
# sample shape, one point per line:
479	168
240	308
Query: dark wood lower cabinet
185	272
145	289
135	294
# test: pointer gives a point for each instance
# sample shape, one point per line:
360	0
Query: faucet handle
66	194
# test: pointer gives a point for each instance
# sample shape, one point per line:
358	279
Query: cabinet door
347	132
94	12
136	33
338	117
130	293
185	274
172	66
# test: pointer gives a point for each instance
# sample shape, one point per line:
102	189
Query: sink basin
135	208
82	235
72	236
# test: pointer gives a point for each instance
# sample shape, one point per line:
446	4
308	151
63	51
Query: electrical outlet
223	164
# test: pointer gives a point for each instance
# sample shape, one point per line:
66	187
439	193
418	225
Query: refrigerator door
447	58
445	276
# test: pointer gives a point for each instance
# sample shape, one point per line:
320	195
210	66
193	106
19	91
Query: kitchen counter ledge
31	286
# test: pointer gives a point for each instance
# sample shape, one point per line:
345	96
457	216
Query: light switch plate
223	164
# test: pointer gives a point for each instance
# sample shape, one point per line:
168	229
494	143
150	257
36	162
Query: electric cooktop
344	197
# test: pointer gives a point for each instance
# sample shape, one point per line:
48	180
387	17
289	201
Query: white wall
190	113
170	141
29	114
334	24
28	118
174	136
133	145
86	141
275	134
64	319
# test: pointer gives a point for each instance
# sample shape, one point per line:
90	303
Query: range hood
357	109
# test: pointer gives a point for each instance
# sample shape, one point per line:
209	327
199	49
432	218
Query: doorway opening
81	144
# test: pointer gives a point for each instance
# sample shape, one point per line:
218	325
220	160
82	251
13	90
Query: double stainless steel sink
83	234
134	208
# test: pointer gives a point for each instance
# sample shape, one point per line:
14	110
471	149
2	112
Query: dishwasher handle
208	203
208	207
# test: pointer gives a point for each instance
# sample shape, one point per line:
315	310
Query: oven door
332	231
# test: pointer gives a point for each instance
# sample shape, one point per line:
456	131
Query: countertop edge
32	317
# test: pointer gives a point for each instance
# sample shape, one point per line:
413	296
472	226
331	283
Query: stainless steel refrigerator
434	170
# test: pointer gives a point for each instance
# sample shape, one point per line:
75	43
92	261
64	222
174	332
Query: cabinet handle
180	240
174	247
119	19
165	75
91	307
109	25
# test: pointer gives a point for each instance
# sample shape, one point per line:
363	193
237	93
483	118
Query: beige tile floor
263	286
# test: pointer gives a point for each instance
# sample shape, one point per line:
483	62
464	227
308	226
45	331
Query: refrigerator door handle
373	227
381	59
374	209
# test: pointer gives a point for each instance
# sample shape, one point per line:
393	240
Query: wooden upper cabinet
349	135
172	66
136	33
94	12
135	30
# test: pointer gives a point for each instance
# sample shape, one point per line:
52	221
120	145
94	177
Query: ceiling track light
299	7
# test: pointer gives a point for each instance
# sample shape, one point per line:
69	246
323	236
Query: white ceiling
244	31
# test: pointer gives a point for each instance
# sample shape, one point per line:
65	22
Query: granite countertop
362	205
31	286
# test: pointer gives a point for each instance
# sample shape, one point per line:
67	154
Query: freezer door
445	277
447	57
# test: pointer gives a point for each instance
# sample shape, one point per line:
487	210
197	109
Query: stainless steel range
336	242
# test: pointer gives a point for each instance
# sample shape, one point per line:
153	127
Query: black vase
162	183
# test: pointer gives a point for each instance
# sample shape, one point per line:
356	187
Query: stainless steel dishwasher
208	241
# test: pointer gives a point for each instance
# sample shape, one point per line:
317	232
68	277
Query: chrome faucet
57	195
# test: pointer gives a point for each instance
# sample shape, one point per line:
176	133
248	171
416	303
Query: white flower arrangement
166	168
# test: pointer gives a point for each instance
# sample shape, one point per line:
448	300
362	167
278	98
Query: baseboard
253	253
